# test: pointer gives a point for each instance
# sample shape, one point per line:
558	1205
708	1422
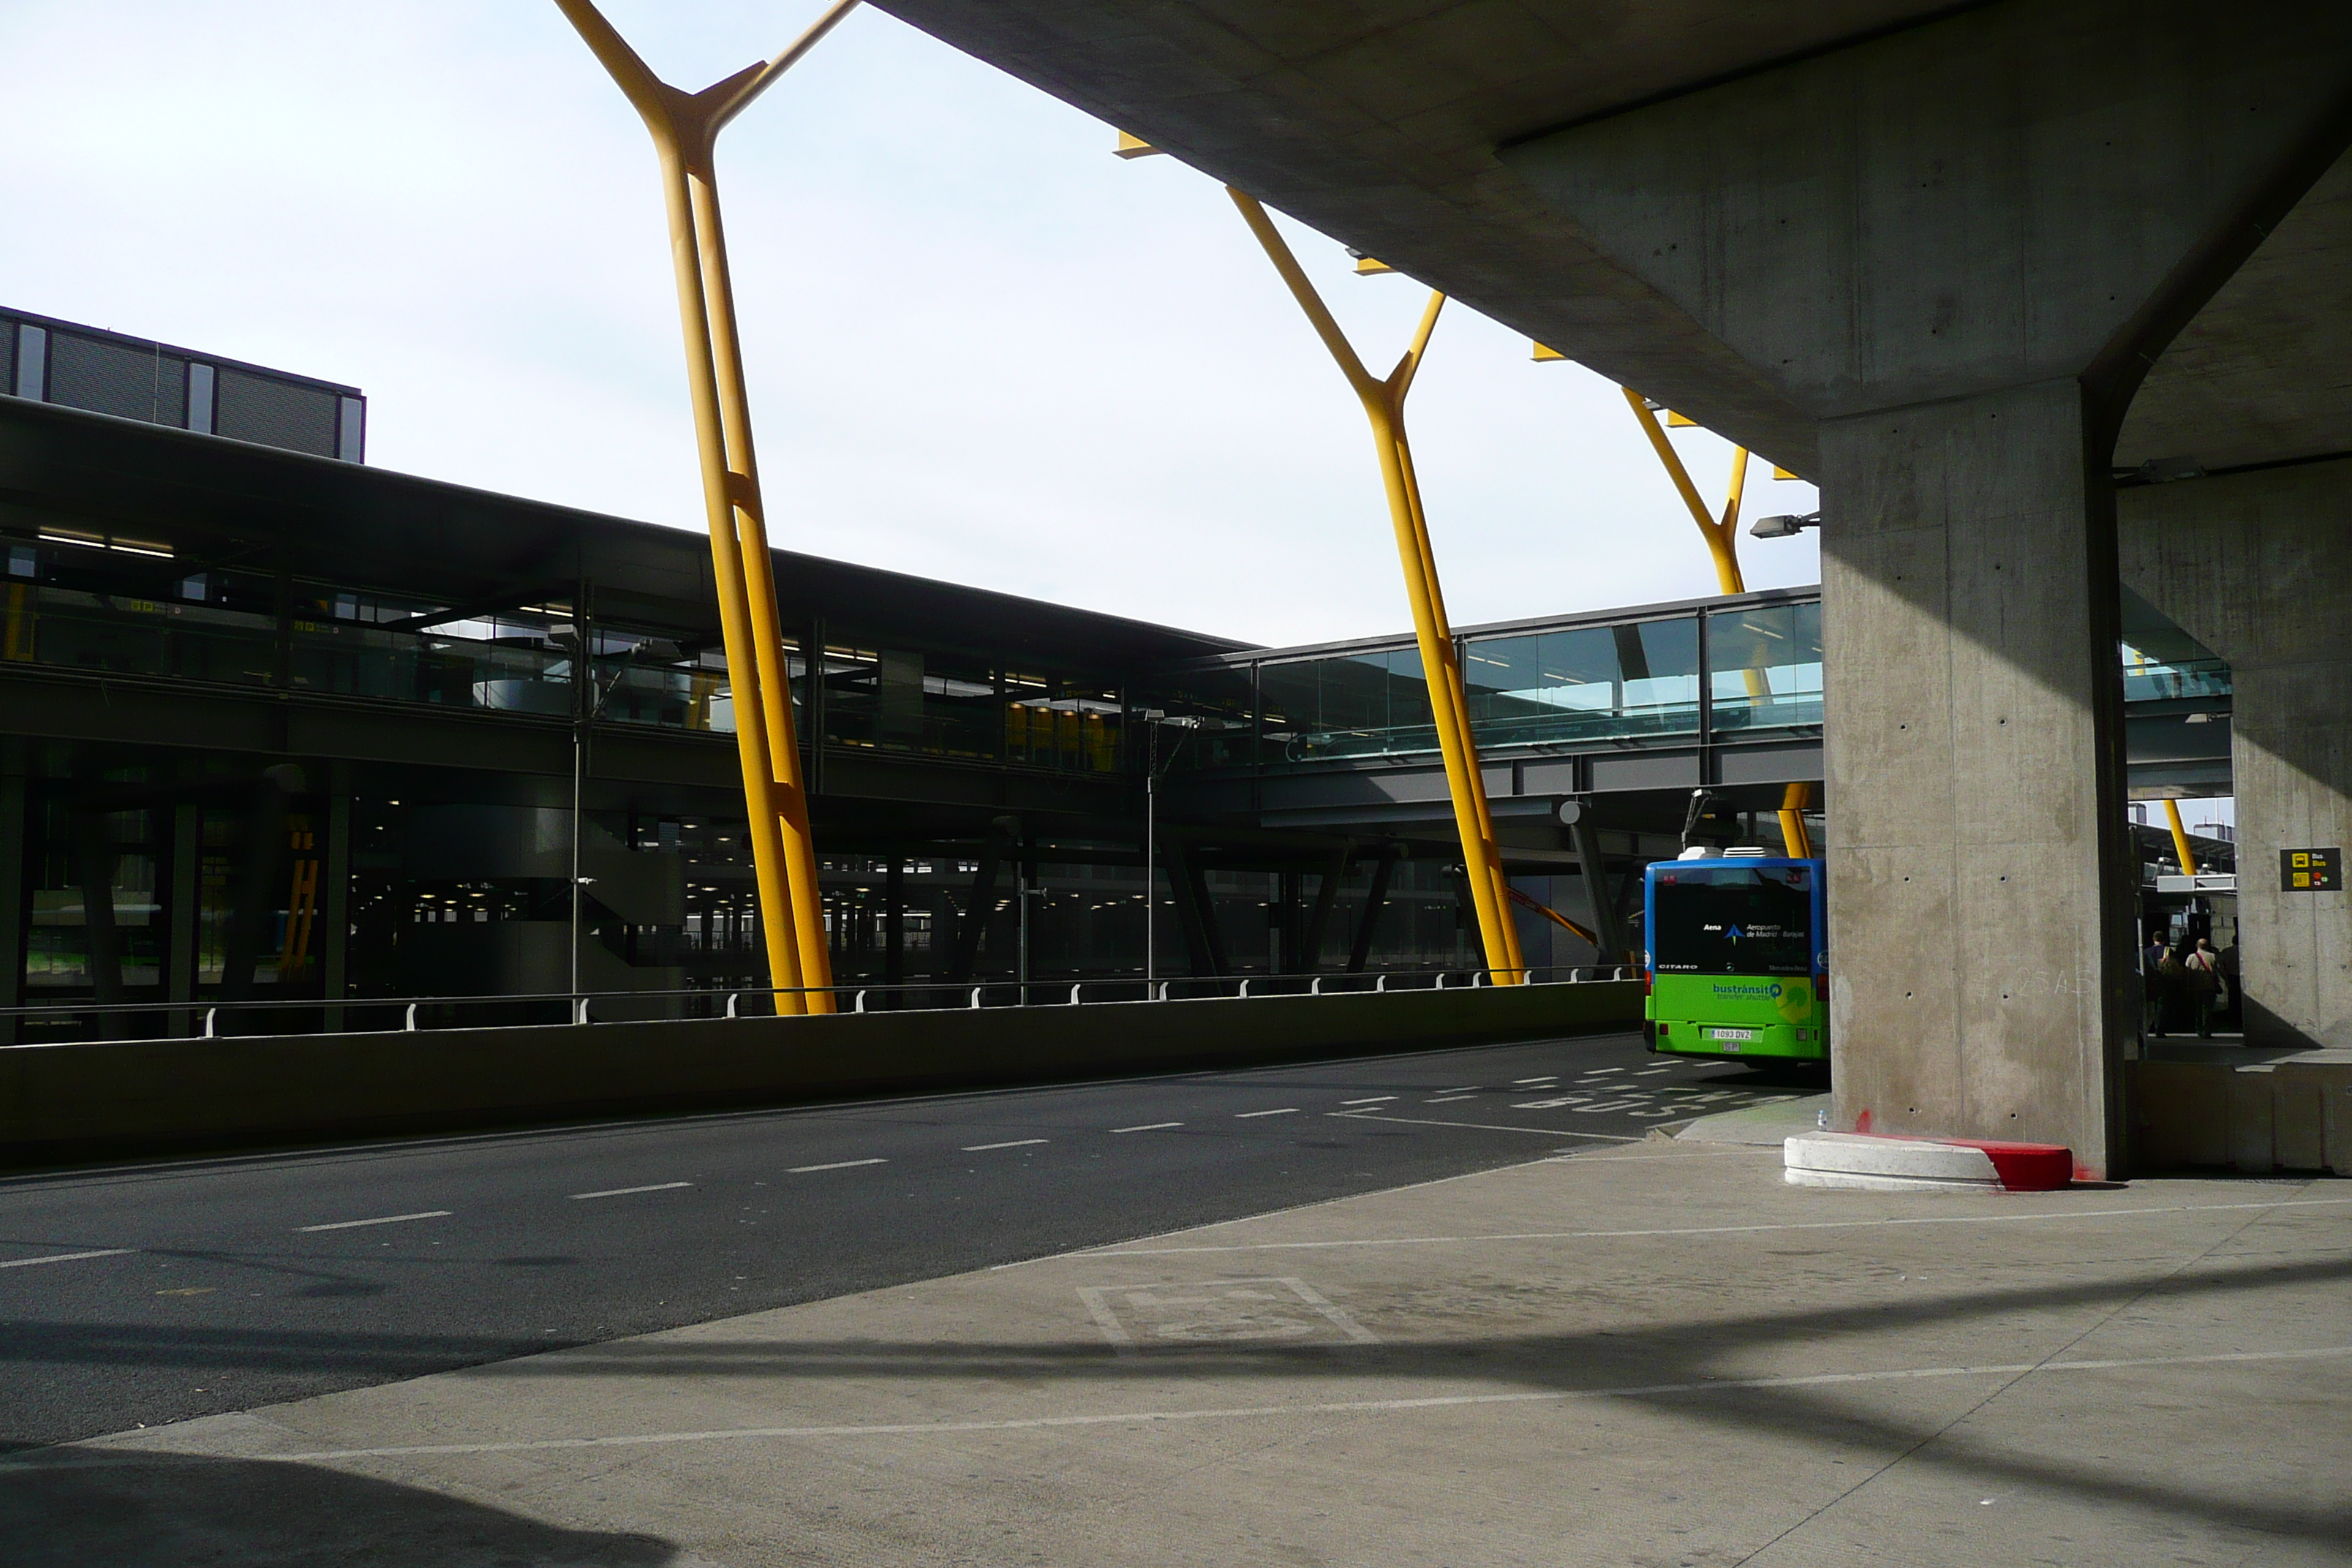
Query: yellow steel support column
1721	533
2180	838
1383	402
685	128
1793	836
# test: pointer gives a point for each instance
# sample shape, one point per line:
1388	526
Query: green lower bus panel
1738	1015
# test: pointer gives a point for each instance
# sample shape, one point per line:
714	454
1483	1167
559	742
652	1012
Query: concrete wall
2254	1117
2258	567
60	1103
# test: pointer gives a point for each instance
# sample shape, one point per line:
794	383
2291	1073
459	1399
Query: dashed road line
1148	1127
1009	1143
835	1165
624	1192
1283	1111
1533	1082
69	1256
380	1219
1373	1100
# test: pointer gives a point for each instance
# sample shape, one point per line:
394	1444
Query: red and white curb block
1870	1162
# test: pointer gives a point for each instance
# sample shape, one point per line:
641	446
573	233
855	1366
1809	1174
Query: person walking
2202	972
2151	986
2170	980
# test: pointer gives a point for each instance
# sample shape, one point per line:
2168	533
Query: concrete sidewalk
1658	1354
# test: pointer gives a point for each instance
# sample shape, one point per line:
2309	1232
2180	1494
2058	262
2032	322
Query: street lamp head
1786	525
1366	266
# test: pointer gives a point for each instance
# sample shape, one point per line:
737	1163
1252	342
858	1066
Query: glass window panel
1584	683
1765	667
1200	721
1350	705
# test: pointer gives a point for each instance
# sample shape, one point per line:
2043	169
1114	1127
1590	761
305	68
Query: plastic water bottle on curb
1821	1118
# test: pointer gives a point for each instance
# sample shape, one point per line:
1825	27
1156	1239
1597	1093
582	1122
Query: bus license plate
1731	1034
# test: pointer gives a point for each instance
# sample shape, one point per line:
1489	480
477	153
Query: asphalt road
140	1295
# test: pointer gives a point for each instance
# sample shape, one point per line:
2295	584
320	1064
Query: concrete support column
1978	902
2256	567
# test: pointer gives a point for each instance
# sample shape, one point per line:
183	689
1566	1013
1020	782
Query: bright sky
981	347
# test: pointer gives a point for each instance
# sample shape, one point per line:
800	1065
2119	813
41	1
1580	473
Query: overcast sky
980	348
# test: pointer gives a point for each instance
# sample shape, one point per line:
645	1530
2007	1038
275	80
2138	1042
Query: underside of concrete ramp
1967	267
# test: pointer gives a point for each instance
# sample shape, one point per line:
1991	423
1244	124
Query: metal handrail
579	1005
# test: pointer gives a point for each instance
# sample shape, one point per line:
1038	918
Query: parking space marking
624	1192
2047	1218
836	1166
68	1257
1008	1143
1480	1126
380	1219
1331	1407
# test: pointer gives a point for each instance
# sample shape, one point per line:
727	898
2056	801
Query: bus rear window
1720	920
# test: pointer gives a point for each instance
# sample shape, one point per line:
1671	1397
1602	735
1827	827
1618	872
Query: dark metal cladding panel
127	381
7	356
273	412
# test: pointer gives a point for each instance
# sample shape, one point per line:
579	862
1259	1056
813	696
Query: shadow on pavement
134	1510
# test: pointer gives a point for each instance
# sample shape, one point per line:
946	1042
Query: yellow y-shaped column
685	128
1383	402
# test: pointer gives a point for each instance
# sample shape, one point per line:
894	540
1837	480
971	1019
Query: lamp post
685	128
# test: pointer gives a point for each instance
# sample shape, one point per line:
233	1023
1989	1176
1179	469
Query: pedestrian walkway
1653	1353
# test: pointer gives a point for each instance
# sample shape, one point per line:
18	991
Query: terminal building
278	726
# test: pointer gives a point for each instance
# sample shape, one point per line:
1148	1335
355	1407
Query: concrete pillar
2257	567
1980	887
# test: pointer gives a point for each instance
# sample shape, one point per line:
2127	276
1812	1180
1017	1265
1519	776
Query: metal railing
371	1014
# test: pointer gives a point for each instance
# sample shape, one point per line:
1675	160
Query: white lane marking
1284	1110
1333	1407
1011	1144
1461	1088
1148	1127
1597	1072
1374	1099
68	1257
1713	1229
836	1166
1449	1100
624	1192
1481	1126
380	1219
1531	1083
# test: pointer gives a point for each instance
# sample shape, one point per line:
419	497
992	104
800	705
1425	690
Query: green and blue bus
1734	961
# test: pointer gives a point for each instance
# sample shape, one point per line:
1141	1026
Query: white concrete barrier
1873	1163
